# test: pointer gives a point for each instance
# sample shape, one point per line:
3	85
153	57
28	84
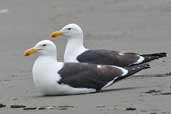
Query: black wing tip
150	57
165	54
162	54
146	66
143	66
133	69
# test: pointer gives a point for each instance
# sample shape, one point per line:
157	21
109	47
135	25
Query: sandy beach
126	25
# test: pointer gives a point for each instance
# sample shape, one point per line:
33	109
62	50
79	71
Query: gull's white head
44	47
69	31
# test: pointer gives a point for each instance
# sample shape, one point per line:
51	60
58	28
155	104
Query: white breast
45	74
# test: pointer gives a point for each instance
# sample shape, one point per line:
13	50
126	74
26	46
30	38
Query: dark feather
83	75
87	75
110	57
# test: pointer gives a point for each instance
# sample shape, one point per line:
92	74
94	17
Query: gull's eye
68	28
44	45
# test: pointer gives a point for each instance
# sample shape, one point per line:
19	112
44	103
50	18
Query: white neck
49	55
73	48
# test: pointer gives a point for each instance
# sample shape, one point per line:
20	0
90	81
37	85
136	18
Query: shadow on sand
154	75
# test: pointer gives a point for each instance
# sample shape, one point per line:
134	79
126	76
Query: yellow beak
30	51
56	34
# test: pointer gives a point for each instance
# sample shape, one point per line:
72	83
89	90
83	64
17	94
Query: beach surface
142	26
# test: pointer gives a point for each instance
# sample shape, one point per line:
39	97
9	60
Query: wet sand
127	25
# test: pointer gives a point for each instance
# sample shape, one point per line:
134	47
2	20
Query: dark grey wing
129	59
108	57
82	75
